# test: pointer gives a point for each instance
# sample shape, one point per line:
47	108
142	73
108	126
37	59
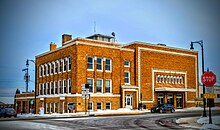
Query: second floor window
108	86
90	63
64	65
108	64
126	77
69	63
69	85
99	64
90	82
99	86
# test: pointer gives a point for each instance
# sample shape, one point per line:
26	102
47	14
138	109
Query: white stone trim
166	71
123	97
175	89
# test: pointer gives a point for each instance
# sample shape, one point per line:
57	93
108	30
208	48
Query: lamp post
27	64
203	86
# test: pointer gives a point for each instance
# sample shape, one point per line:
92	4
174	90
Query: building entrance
170	98
128	101
179	100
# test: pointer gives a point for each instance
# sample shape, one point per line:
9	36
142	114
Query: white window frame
69	85
129	78
88	62
46	65
92	84
101	85
64	61
58	86
56	64
99	64
40	71
48	85
69	63
39	89
110	85
110	64
97	106
54	87
52	66
54	107
106	105
50	107
127	62
60	64
64	86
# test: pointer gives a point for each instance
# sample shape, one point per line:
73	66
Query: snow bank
205	121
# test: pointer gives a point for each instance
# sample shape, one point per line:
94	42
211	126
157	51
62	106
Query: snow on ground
205	121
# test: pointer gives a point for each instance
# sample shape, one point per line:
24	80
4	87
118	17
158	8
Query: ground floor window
108	106
99	106
160	98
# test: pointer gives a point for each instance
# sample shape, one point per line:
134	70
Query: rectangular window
99	64
126	77
51	68
60	87
69	63
45	89
51	88
99	106
64	86
90	106
126	63
108	86
60	68
64	65
108	64
48	69
99	85
44	70
48	88
90	82
56	87
55	67
40	89
108	106
90	63
69	86
41	71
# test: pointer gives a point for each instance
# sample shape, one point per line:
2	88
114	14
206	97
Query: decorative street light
203	86
27	64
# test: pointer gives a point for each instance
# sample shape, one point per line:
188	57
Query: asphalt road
129	122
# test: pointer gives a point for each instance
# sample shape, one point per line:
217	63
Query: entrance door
179	100
128	101
170	98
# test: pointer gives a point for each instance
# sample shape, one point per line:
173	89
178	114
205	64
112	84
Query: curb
119	113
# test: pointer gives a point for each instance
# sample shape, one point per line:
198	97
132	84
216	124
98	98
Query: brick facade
120	75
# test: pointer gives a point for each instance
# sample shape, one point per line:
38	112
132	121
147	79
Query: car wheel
161	111
15	116
152	111
172	111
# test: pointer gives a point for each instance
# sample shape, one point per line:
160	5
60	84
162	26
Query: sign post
85	94
209	79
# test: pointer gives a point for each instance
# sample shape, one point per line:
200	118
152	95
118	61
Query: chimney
53	46
66	37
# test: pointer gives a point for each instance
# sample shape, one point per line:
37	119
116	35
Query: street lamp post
27	64
203	86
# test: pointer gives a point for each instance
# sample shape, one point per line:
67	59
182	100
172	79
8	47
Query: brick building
120	75
24	102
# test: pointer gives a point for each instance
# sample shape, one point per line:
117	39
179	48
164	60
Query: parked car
8	112
163	108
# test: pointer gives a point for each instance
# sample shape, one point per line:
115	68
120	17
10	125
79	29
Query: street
146	121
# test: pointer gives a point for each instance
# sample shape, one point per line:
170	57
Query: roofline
150	44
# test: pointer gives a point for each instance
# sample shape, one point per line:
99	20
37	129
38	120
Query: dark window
89	63
99	64
108	64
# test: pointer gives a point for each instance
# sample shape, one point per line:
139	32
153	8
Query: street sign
209	95
209	89
209	79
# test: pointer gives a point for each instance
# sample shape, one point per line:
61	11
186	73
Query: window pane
89	63
99	86
108	87
90	82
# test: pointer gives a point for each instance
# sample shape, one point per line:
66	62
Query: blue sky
28	26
